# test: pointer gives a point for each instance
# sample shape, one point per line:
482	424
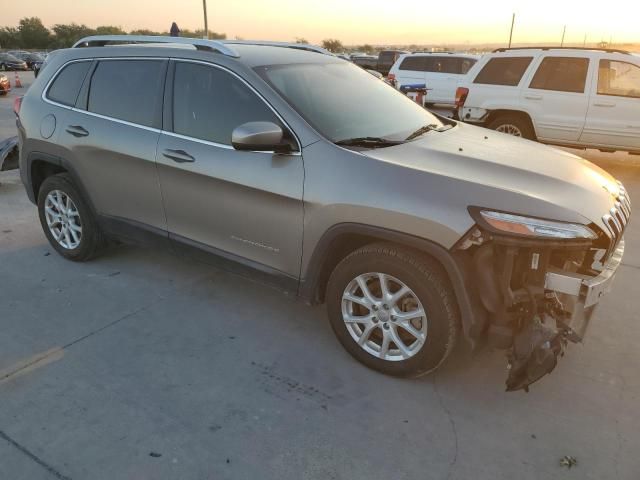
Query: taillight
391	79
17	103
461	96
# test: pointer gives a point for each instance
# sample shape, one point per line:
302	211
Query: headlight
535	227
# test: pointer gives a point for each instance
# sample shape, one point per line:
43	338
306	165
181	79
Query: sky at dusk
354	21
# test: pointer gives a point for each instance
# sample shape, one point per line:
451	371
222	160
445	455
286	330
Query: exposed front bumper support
579	294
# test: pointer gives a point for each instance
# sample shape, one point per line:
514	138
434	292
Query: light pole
206	23
513	20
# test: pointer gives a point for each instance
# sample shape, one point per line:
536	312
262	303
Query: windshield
342	101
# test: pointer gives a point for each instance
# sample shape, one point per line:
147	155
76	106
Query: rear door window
129	90
67	83
506	71
561	74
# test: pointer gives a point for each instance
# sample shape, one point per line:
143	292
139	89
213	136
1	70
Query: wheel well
502	112
40	170
340	247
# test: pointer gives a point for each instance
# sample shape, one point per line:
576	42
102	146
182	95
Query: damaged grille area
617	218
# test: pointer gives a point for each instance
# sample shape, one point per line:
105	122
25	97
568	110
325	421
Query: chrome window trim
117	120
252	88
162	131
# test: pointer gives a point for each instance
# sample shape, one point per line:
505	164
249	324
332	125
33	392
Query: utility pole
563	32
584	44
206	23
513	20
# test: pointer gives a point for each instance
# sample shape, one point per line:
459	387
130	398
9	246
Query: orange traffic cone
18	83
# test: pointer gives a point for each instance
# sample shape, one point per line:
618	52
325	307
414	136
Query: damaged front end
538	283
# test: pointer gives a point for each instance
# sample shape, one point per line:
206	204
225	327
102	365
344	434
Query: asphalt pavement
145	365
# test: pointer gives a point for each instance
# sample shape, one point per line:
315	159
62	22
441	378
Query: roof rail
198	43
298	46
608	50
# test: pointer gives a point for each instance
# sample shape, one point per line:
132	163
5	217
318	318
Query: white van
440	72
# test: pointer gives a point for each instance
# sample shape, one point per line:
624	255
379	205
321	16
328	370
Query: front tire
393	310
67	220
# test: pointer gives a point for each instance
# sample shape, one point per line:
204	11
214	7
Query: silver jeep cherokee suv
303	170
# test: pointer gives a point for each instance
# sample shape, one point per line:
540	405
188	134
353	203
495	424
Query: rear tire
513	124
67	221
425	319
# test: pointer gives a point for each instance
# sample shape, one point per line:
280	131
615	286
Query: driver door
243	206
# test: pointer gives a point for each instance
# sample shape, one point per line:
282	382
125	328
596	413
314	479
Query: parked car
5	86
440	72
302	170
33	60
386	59
368	62
9	62
586	98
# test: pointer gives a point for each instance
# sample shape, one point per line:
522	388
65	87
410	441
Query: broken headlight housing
512	224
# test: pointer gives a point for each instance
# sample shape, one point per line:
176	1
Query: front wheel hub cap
384	316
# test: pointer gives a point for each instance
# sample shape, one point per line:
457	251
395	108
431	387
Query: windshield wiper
372	142
427	128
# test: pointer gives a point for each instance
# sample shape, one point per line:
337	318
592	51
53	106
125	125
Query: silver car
292	166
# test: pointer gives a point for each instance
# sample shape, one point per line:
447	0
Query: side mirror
259	137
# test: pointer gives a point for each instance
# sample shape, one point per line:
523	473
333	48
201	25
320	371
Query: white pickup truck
585	98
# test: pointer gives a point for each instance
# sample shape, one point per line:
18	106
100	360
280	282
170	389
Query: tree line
31	34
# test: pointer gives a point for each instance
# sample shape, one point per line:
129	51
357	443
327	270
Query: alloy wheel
384	316
63	219
510	129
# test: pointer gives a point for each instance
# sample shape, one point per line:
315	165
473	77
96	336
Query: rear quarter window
66	85
507	71
414	64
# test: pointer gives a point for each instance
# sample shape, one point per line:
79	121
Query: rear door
556	97
112	137
237	204
613	118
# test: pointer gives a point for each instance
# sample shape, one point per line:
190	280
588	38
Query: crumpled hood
497	161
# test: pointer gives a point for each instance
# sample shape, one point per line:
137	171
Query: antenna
564	30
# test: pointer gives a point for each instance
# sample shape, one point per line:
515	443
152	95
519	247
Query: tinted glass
503	71
561	74
416	64
66	86
618	78
129	90
9	57
343	101
366	62
209	103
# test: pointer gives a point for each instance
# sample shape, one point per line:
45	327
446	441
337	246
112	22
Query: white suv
440	72
586	98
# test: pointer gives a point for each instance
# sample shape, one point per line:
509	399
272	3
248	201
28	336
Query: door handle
77	131
533	97
179	156
604	104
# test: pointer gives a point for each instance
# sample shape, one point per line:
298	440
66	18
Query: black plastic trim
308	291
